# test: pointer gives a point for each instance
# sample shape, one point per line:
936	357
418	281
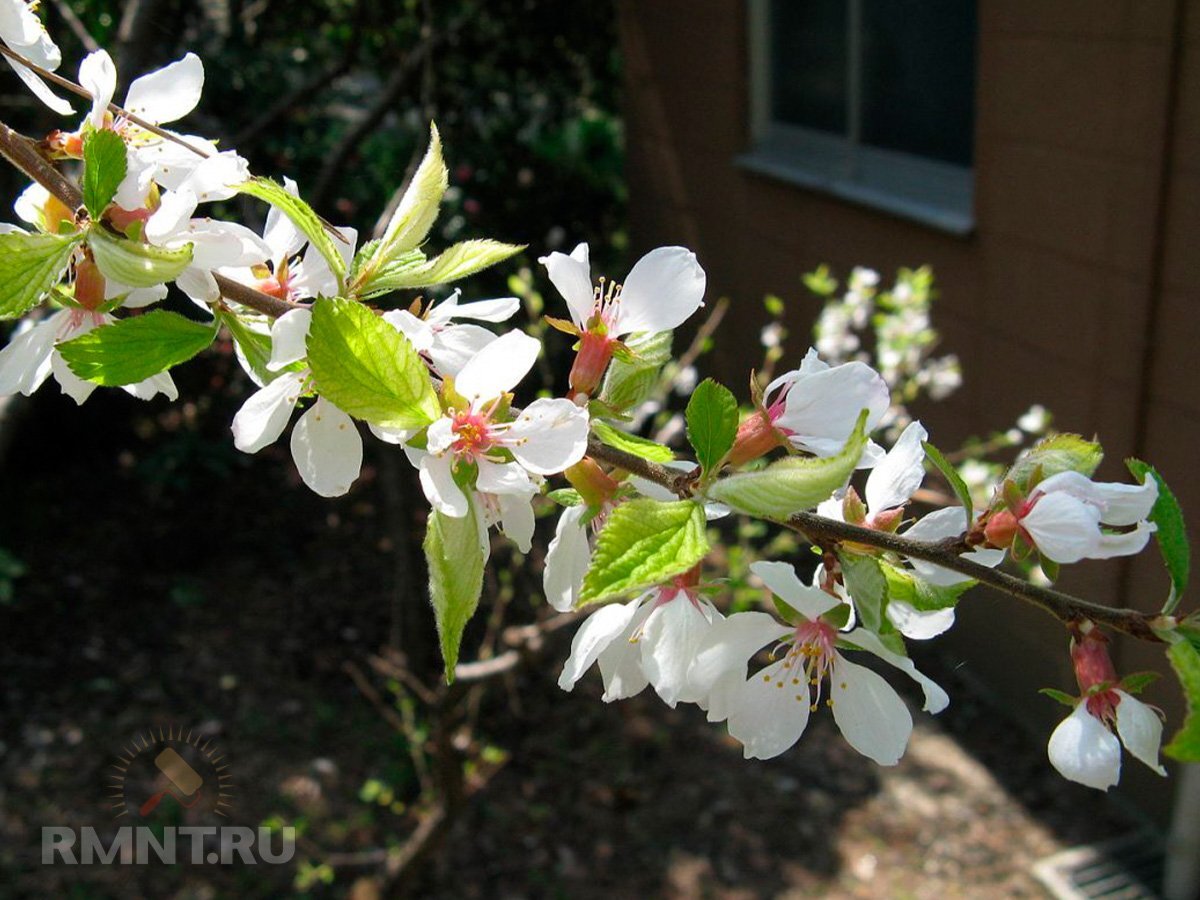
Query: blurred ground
173	581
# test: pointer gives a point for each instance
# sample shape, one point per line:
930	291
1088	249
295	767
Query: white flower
22	31
1083	747
817	405
663	289
893	480
567	559
325	443
547	437
31	356
446	343
650	640
1063	516
1035	420
769	711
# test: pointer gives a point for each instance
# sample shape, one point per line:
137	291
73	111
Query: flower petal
1083	750
265	413
498	367
936	699
1120	504
663	289
919	625
418	331
781	578
516	519
550	435
670	638
822	405
39	89
498	310
442	492
504	478
1063	527
770	713
25	362
1140	730
453	346
327	449
289	334
98	74
1129	543
567	560
871	715
572	275
72	385
729	645
897	476
169	93
602	627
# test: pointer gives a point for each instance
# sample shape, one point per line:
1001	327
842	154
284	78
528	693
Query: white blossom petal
936	699
729	646
25	361
265	413
823	404
1063	527
39	89
162	383
516	519
498	310
781	578
572	275
1129	543
871	715
437	481
327	449
917	624
671	636
1083	750
602	627
896	477
98	74
1120	504
453	347
1140	730
504	478
663	289
289	334
169	93
567	560
770	713
549	435
72	385
418	331
498	367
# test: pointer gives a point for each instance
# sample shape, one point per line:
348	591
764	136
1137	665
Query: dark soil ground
174	582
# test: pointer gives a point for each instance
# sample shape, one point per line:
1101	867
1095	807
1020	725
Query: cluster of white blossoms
438	380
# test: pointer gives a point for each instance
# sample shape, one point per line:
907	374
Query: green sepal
134	263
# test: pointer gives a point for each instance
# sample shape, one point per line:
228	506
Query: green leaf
418	207
131	350
867	586
1054	454
1061	696
631	443
1185	660
820	282
303	217
644	543
104	167
134	263
30	265
905	587
628	384
1137	682
457	262
456	556
566	497
1171	534
712	423
792	485
961	491
255	346
366	367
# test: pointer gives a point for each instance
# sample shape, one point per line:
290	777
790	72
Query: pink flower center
810	658
472	433
1103	706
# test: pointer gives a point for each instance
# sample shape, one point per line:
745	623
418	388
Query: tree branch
820	530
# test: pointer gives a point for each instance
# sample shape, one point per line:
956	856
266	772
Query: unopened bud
595	486
756	436
1001	529
854	511
1089	656
591	362
888	520
89	285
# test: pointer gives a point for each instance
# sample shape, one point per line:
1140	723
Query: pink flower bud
756	436
1001	529
595	353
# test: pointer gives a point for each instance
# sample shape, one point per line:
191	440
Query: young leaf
131	350
644	543
255	346
1054	454
628	384
104	167
631	443
367	368
792	485
712	423
868	587
1061	696
905	587
30	265
1137	682
1185	660
455	554
302	216
1171	534
418	207
457	262
565	497
134	263
961	491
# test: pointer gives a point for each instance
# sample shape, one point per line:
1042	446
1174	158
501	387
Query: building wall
1077	289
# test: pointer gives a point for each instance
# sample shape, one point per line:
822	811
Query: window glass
809	63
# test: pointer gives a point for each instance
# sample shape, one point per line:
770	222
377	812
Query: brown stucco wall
1077	289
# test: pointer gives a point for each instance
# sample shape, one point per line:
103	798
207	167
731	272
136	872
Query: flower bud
888	520
1001	529
591	362
594	485
89	285
854	511
1089	656
756	436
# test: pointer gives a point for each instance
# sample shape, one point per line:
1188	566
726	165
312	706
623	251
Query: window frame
931	192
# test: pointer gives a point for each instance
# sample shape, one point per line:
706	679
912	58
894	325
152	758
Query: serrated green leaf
457	262
631	443
1054	454
255	346
712	423
418	207
792	485
566	497
867	586
1185	660
366	367
134	263
455	555
644	543
628	384
1171	534
104	167
131	350
961	491
303	217
1061	696
905	587
30	265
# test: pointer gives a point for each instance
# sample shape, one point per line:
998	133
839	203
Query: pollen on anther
766	678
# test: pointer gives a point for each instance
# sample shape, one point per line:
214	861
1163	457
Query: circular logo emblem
169	768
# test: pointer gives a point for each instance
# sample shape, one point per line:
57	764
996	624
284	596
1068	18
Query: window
871	100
